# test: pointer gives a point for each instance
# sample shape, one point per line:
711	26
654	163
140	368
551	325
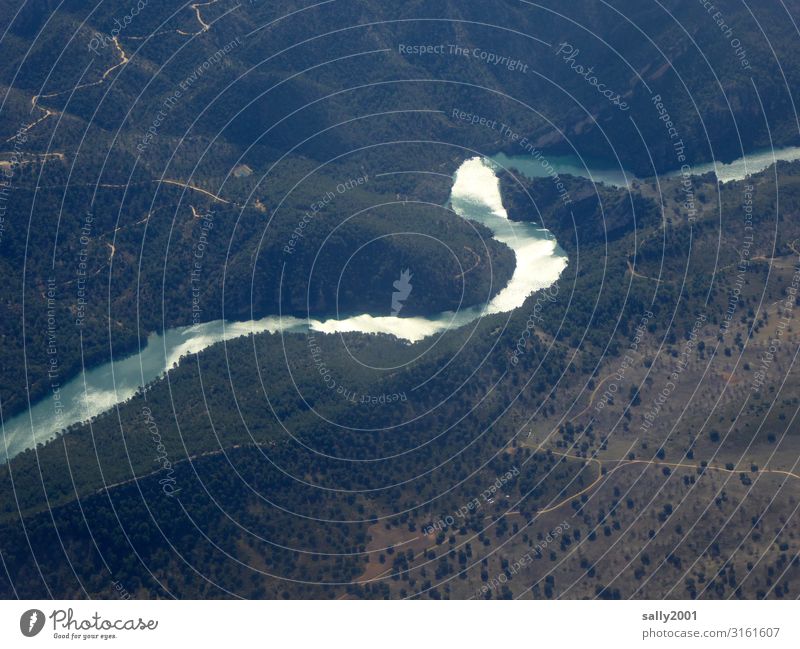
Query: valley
369	300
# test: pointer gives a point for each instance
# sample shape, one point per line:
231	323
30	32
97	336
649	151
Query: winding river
475	195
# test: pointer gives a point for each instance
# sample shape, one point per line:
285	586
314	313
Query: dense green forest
628	432
260	98
105	266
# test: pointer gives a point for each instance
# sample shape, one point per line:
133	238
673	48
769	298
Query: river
475	195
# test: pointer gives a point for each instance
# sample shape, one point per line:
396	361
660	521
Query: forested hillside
629	431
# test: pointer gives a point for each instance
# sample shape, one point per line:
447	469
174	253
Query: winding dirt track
204	27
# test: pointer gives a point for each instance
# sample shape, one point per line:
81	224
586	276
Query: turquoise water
594	170
611	174
475	195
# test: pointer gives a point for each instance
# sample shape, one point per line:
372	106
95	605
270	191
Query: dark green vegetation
244	472
162	259
317	98
220	458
